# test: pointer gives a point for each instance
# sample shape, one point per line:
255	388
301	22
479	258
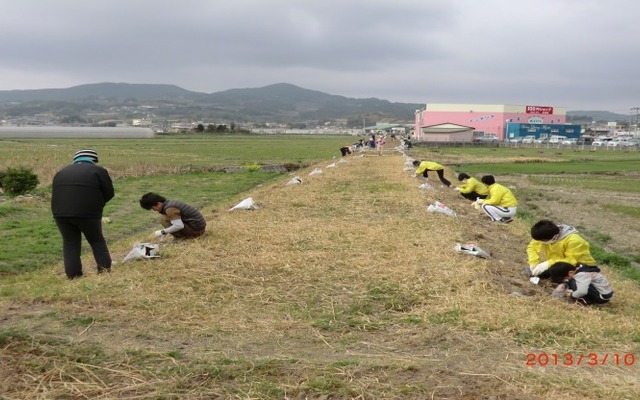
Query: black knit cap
86	153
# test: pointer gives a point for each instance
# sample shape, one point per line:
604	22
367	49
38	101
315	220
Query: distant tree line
221	128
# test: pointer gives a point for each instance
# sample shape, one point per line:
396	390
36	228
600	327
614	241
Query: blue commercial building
541	131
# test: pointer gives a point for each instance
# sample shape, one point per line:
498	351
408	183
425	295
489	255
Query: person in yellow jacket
425	166
552	244
501	205
471	189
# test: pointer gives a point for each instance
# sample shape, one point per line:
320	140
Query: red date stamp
576	360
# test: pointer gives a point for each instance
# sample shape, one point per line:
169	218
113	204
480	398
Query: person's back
80	190
501	205
501	196
581	283
189	214
471	185
79	193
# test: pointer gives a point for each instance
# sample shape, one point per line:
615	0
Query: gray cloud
579	54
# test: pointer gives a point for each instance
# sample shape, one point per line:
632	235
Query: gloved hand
158	233
540	268
456	188
479	201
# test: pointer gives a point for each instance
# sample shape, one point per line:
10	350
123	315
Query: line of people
81	190
556	252
497	201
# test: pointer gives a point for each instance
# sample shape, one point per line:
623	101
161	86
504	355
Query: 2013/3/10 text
574	360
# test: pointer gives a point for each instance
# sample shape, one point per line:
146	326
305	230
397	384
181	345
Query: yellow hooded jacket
501	196
474	185
570	247
429	166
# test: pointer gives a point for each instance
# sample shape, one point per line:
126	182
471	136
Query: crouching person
552	243
345	150
179	219
583	283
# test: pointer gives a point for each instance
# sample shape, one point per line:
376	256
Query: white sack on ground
143	251
441	208
425	186
333	165
316	171
246	204
294	181
472	249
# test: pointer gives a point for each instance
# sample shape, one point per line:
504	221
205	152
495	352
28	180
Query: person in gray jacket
79	193
582	283
179	219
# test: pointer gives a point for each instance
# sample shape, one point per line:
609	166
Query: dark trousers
72	230
440	173
473	196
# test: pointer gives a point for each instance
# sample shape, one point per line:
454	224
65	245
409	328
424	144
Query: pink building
488	118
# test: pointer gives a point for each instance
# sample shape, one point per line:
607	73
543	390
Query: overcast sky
578	54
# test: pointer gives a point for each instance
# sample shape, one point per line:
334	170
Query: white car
529	139
488	138
570	141
600	142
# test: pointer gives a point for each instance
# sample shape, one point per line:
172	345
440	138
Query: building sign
539	110
483	118
535	120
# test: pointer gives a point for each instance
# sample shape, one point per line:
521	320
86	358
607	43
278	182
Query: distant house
447	132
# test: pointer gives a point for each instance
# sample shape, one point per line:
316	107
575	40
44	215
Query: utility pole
636	109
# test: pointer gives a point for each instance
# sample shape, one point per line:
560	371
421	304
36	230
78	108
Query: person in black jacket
179	219
79	194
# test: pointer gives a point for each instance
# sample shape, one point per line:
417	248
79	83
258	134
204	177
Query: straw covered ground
341	287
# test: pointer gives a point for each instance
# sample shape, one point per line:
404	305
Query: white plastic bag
441	208
472	249
425	186
316	171
332	165
143	251
246	204
294	181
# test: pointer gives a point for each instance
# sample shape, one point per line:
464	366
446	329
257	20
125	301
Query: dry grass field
343	287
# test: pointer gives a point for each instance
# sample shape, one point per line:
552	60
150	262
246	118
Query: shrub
253	167
18	180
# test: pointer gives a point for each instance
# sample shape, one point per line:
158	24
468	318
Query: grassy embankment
171	166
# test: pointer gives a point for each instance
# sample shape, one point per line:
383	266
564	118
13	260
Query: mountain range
282	102
278	103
